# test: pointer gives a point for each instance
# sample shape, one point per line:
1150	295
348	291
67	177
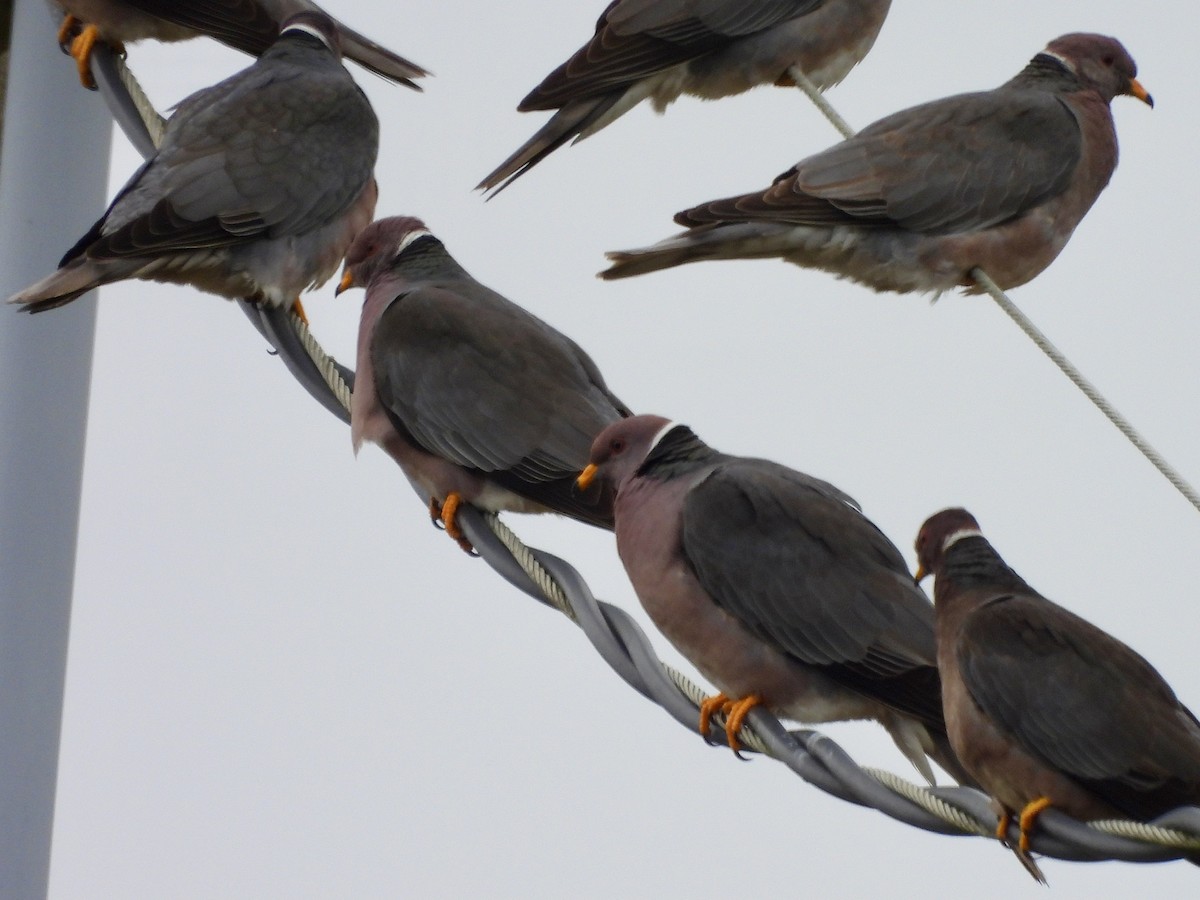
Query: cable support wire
624	646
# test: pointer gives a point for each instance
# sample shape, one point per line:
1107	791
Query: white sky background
283	682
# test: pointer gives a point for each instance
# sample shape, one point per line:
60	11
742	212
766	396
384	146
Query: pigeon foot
1025	822
444	516
82	45
735	712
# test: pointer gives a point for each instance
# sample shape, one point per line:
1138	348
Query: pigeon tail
739	241
570	121
379	59
61	287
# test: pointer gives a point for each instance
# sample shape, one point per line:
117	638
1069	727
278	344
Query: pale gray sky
284	683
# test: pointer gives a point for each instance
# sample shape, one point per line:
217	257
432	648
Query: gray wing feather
638	38
488	386
792	558
959	164
228	167
1074	695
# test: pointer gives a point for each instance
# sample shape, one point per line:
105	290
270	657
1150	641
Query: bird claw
68	31
77	40
1028	819
444	517
1025	822
736	718
298	311
735	712
81	49
709	707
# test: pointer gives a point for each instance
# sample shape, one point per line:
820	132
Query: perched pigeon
648	49
997	179
247	25
1044	708
258	188
774	584
476	399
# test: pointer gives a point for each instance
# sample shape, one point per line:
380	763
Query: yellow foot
1025	822
1002	827
1028	819
709	708
735	715
298	309
67	30
81	48
445	515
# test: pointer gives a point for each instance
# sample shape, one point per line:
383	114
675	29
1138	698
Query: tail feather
379	59
568	123
742	240
61	287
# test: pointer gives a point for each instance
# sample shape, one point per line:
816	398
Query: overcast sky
284	683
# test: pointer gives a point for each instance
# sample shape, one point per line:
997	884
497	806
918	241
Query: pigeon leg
67	31
737	715
1025	822
710	707
81	49
298	309
444	514
1028	818
1002	826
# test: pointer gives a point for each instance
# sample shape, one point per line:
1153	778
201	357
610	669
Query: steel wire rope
624	646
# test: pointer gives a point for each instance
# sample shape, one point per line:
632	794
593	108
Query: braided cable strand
1152	834
625	647
1089	390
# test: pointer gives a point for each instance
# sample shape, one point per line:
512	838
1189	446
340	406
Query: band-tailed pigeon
775	586
259	185
247	25
475	398
648	49
914	202
1043	707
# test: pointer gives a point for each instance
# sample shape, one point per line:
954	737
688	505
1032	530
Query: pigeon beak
1136	90
921	575
586	477
346	283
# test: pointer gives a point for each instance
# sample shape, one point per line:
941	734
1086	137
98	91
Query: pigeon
246	25
476	399
916	201
774	585
649	49
1043	707
259	185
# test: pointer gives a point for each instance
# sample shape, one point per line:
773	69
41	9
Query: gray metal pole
53	179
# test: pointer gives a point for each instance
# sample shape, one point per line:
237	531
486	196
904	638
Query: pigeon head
621	448
313	26
378	247
1100	63
643	445
939	532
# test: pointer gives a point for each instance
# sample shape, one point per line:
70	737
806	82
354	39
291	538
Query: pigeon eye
617	446
1108	61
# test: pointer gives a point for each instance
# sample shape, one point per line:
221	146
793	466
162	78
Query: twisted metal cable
1026	325
1089	390
624	646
